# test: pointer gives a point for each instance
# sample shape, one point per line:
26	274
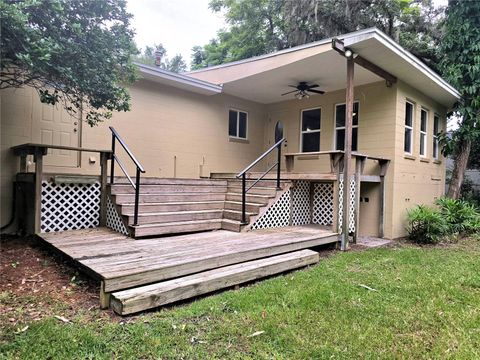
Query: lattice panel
351	225
69	206
322	209
114	221
278	215
301	203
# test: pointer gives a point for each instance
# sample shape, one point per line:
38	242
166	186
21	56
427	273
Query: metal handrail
140	169
243	174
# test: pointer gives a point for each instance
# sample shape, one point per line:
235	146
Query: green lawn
427	305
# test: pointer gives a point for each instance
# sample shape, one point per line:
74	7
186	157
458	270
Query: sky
179	24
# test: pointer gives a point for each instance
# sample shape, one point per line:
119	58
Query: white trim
405	126
424	133
319	130
435	137
179	78
238	111
335	128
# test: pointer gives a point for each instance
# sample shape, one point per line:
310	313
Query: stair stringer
264	209
115	220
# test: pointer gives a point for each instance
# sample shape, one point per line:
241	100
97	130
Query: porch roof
264	78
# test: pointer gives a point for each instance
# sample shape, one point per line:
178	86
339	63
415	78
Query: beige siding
416	180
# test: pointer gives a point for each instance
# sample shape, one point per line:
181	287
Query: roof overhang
264	78
179	81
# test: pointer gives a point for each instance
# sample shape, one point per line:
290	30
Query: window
407	147
423	132
340	117
310	132
436	132
237	124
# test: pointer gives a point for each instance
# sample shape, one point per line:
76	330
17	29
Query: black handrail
140	169
243	174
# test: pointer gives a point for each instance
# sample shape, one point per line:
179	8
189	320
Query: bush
453	217
426	225
461	216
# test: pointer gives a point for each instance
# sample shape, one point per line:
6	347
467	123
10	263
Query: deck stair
169	206
150	296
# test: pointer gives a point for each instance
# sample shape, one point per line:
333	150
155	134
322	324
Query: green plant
426	225
461	216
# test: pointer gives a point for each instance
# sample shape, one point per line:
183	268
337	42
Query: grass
426	305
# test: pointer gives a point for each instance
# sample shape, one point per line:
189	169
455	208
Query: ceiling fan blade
294	86
317	91
313	86
289	92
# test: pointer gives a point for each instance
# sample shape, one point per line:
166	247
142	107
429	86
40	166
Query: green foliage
257	27
77	53
426	225
461	216
147	57
452	217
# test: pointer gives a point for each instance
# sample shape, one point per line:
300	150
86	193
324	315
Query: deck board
122	262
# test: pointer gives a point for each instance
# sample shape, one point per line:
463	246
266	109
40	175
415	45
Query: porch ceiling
326	69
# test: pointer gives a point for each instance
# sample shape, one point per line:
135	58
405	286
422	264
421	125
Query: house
208	125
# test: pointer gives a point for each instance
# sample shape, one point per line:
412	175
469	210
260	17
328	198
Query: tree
77	53
148	56
262	26
460	47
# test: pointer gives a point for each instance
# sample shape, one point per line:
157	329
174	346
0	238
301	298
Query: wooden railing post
103	188
38	158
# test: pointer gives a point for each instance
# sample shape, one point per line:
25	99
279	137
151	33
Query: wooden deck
120	262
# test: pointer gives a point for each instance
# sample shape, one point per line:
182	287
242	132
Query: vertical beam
23	163
289	161
383	172
348	153
359	166
337	165
103	188
104	297
38	157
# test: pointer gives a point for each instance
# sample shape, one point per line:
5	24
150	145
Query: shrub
426	225
461	216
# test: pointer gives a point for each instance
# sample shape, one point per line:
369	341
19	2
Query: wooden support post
348	153
103	188
336	161
289	159
104	297
23	163
38	158
359	166
383	171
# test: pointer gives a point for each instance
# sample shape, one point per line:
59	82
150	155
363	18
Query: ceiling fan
302	90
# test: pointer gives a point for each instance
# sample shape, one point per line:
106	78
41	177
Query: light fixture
348	53
302	94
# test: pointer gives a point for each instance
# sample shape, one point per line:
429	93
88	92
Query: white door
53	125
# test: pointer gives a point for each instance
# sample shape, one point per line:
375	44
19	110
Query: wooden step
166	292
231	225
176	227
237	215
175	216
259	190
251	198
172	181
128	208
237	205
261	183
168	189
161	198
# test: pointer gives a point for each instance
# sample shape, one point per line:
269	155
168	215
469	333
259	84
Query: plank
150	296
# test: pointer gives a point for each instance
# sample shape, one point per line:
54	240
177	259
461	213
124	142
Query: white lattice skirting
351	214
69	206
322	207
277	215
114	221
301	203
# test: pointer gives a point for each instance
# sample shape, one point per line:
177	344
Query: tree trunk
461	160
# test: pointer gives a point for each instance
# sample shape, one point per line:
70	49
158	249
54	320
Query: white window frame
435	136
424	134
335	128
319	130
238	124
409	127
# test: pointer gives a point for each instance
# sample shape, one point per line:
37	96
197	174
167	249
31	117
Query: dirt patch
35	283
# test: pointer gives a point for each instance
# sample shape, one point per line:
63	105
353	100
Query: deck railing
243	174
139	170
